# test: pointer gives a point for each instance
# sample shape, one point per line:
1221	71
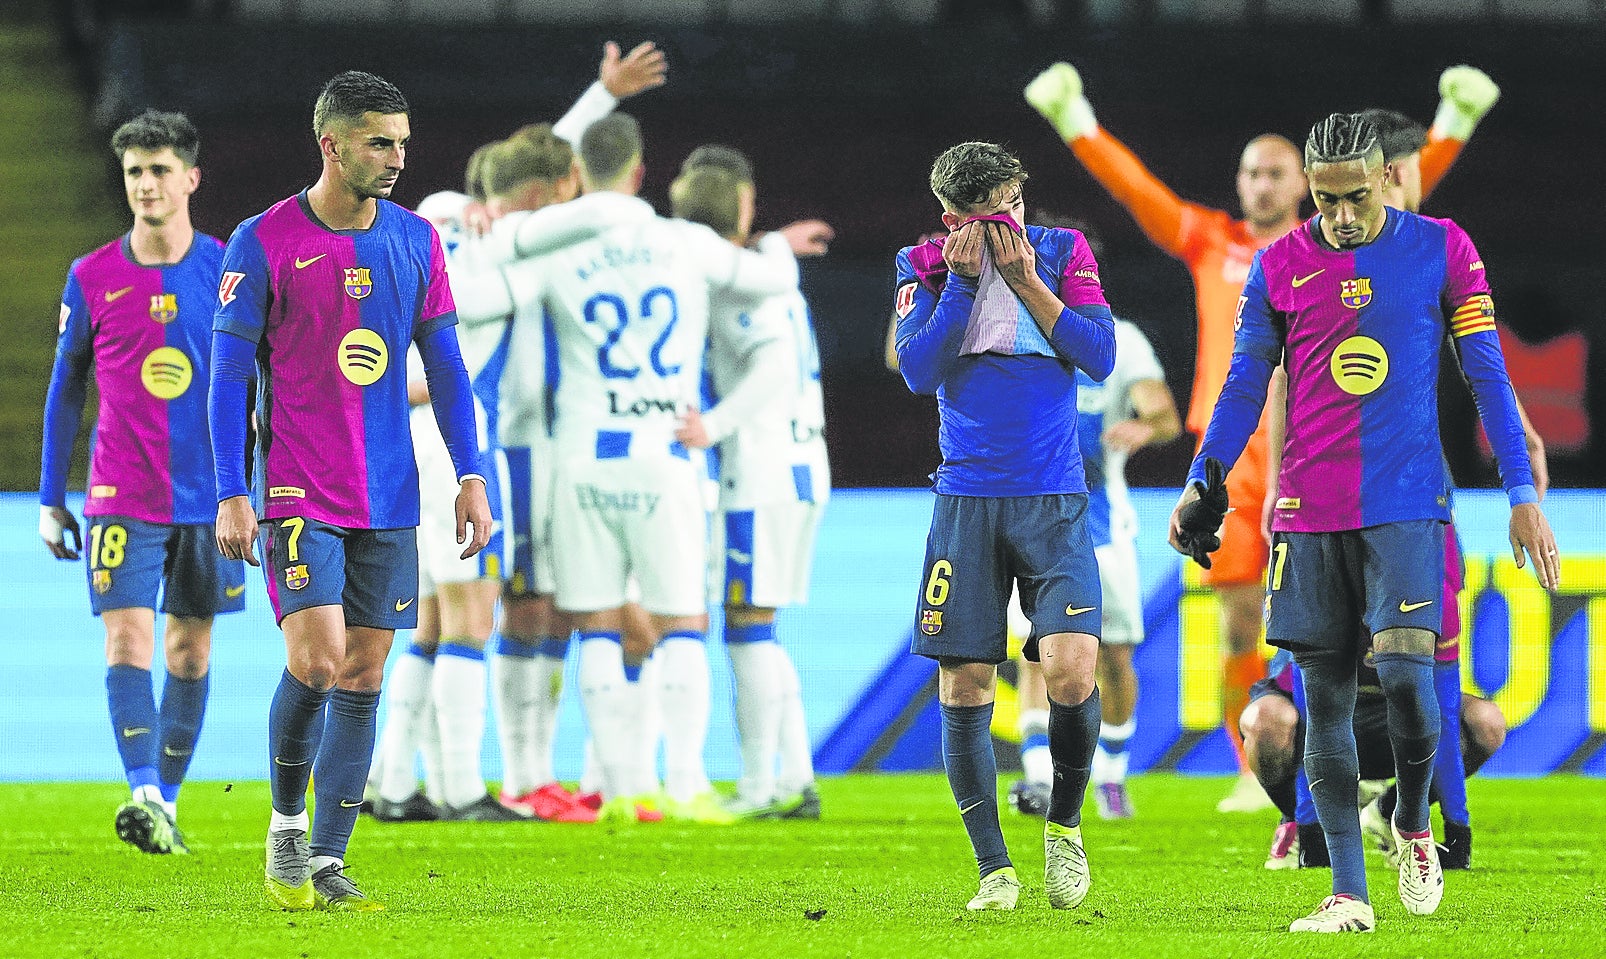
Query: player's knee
1268	726
1069	687
748	615
1483	726
188	646
1403	640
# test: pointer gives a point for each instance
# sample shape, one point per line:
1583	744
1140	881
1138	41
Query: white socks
1111	758
682	661
458	692
797	756
526	691
760	701
613	710
1036	763
407	693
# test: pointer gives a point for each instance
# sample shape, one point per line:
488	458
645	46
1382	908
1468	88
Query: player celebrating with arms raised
325	290
995	320
1356	302
139	309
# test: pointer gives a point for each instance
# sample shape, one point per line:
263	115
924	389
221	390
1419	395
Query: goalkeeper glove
1465	95
1201	518
1057	95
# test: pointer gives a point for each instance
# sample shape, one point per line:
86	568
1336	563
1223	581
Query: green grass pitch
885	873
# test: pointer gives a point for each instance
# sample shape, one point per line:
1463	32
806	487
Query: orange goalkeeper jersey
1216	248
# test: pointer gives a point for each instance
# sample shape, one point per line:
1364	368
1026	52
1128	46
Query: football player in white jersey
531	169
768	419
627	294
1131	409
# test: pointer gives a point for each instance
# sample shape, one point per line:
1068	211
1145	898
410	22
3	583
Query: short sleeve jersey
148	331
332	313
1099	406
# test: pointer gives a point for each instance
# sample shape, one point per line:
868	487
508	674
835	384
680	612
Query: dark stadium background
842	122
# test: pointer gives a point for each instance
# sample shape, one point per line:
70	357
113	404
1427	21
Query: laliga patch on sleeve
1238	320
225	289
66	312
905	301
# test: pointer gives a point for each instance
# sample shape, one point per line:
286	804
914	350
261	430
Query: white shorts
618	519
1122	610
1123	605
763	556
438	548
530	470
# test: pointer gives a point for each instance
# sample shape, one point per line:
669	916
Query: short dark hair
970	173
1398	134
721	157
1340	138
608	146
153	130
351	94
709	195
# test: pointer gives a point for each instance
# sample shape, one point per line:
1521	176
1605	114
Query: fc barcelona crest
101	579
931	621
1354	293
358	283
164	307
296	577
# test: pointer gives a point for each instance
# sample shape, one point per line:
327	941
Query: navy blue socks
967	755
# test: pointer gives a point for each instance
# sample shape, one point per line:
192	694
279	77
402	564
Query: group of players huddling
569	405
559	330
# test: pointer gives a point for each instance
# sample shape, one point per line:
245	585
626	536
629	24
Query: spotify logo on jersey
166	373
362	356
1359	365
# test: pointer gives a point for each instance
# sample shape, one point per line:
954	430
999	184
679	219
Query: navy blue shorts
1331	590
979	548
371	573
130	561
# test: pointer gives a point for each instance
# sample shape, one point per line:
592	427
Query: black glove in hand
1201	518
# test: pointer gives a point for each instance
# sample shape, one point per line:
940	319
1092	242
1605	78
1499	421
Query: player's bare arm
473	510
643	68
808	237
236	529
962	251
1155	419
1530	533
691	431
54	523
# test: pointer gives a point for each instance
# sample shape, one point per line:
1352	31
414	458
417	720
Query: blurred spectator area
844	111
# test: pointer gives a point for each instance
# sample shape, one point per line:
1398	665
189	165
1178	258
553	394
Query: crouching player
995	320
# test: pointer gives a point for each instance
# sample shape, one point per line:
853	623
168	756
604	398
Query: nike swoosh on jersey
1078	610
112	295
401	606
1412	607
233	591
129	732
303	264
739	556
1300	281
965	809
